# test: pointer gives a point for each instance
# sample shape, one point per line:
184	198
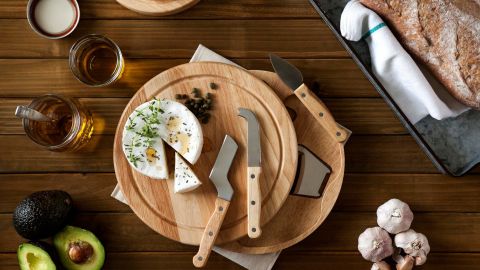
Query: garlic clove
414	244
407	263
380	266
375	244
394	216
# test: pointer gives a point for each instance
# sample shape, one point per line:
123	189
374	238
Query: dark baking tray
453	145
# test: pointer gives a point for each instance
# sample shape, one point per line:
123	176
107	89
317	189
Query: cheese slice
142	143
185	178
181	130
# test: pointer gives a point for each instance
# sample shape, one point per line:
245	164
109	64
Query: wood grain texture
326	77
288	260
364	154
446	232
207	9
184	217
211	232
307	213
180	38
360	192
254	201
320	112
367	116
158	7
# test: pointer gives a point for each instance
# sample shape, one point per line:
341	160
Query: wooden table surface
383	161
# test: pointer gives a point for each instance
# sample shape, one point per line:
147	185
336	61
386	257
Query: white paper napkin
249	261
394	67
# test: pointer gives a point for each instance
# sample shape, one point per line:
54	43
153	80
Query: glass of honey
96	60
70	128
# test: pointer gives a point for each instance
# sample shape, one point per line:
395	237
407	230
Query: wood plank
423	192
206	9
360	192
22	155
364	154
386	154
361	116
328	77
180	38
90	192
446	232
287	260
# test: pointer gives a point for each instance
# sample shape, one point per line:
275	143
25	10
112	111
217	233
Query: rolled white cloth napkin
395	69
249	261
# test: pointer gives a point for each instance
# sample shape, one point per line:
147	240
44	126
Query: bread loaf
444	35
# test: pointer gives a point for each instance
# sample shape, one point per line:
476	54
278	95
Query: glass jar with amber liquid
70	126
96	60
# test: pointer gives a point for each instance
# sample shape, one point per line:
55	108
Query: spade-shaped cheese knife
218	175
293	78
254	152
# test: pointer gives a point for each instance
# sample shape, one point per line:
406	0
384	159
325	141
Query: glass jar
71	126
96	60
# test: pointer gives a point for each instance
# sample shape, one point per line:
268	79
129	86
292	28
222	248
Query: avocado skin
42	214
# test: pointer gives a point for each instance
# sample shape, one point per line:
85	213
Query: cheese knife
293	78
218	176
254	153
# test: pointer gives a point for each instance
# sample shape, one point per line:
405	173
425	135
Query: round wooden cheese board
183	217
299	216
158	7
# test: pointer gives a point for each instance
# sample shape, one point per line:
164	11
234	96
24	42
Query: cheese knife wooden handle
254	197
211	232
321	113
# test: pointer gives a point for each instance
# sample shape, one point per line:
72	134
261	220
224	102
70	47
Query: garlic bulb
380	266
375	244
414	244
394	216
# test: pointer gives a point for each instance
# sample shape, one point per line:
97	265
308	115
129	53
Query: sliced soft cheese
142	143
156	121
185	178
181	130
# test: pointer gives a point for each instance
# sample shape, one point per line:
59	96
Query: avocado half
32	256
79	249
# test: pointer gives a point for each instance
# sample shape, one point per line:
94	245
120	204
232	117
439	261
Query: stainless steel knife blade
289	74
220	169
254	150
312	173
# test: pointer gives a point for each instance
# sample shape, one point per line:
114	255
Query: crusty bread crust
444	35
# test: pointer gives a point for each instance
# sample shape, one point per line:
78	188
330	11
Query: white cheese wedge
185	178
142	143
181	129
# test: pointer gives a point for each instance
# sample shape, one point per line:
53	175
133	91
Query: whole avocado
42	214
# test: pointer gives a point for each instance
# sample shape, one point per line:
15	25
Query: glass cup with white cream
53	19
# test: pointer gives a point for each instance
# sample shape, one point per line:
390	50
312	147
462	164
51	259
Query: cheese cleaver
218	176
254	170
311	175
293	78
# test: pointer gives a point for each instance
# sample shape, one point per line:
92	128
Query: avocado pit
80	252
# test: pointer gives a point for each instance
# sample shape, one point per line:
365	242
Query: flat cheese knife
311	175
293	78
218	175
254	152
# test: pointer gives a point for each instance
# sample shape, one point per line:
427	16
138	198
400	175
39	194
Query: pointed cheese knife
293	78
218	175
254	195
